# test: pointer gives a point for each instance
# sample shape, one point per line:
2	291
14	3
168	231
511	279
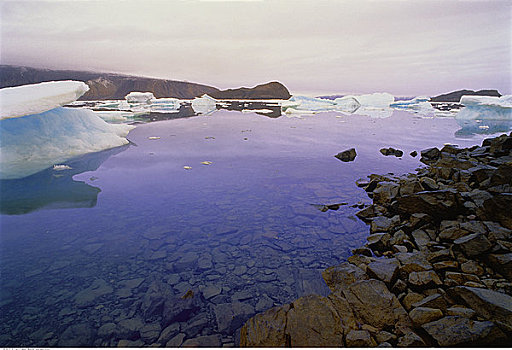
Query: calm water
87	245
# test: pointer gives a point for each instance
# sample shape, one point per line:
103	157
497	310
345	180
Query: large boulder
460	331
375	305
441	204
266	329
491	305
341	276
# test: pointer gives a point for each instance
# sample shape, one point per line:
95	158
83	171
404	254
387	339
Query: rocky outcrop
434	272
456	95
272	90
109	86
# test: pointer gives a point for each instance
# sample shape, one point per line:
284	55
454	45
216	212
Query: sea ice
31	142
37	98
485	108
204	104
139	97
347	104
376	100
418	105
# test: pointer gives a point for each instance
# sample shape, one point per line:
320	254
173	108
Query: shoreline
436	269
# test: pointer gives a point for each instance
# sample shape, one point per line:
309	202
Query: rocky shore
436	270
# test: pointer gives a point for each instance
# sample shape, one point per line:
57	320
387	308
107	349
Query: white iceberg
204	104
485	108
37	98
418	105
306	103
30	143
347	104
375	100
139	97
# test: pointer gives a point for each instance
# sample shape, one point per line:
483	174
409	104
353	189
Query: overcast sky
403	47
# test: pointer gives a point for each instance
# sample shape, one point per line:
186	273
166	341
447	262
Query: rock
430	154
379	241
385	192
413	154
472	267
344	310
168	333
411	298
422	315
502	263
497	208
187	261
181	309
491	305
436	301
176	341
359	339
424	279
125	343
210	291
347	156
385	270
411	340
150	332
391	152
264	303
460	311
271	90
384	336
196	325
78	335
312	321
341	276
440	204
153	301
266	329
231	316
421	238
474	244
429	184
375	305
444	265
384	224
412	262
460	331
208	341
107	330
88	296
129	328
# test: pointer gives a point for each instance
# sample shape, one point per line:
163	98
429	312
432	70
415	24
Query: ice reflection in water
240	233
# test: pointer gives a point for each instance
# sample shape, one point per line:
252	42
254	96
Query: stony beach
436	269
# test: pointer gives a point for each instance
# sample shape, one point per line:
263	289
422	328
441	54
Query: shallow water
87	245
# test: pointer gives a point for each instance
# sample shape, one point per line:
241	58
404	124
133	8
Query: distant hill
105	86
456	95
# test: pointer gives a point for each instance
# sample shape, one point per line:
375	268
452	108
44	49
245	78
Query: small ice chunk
139	97
38	98
186	167
206	162
204	104
154	137
61	167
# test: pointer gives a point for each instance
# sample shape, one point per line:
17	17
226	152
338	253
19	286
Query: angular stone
180	309
342	307
422	315
384	224
313	322
206	341
474	244
375	305
107	330
153	301
385	270
502	263
430	153
97	289
424	279
379	241
472	267
491	305
410	299
413	262
78	335
441	204
231	316
446	265
421	238
150	332
460	331
385	192
436	301
129	328
266	329
125	343
359	339
341	276
347	156
176	341
460	311
168	333
210	291
429	184
384	336
411	340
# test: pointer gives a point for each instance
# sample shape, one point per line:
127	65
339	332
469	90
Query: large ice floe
204	105
485	108
418	105
37	133
139	97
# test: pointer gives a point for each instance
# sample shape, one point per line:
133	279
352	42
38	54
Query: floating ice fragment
139	97
61	167
206	162
204	104
38	98
186	167
154	137
485	108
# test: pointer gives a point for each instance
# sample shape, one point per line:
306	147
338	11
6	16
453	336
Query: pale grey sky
403	47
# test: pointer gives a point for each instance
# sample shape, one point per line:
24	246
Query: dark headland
109	86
